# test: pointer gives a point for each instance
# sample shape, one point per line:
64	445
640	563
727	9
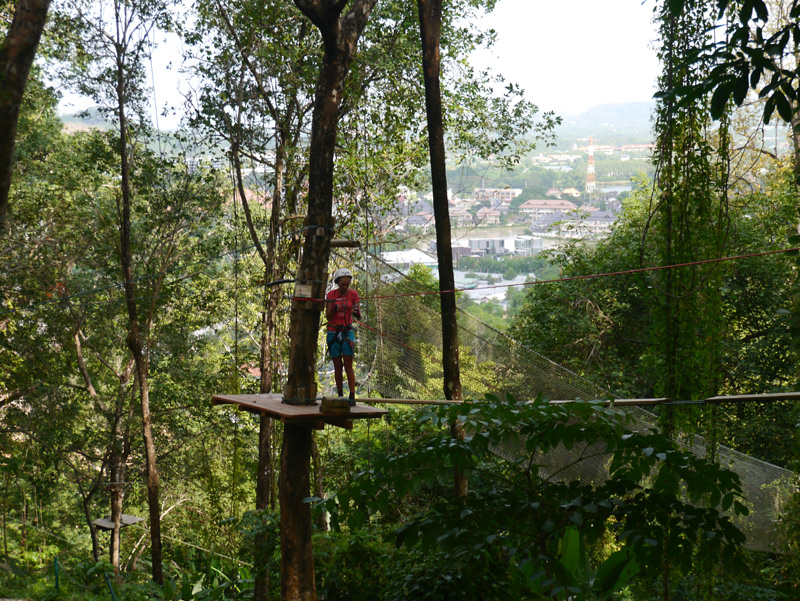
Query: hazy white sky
569	55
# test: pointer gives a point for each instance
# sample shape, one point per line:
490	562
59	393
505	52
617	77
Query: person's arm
357	307
330	308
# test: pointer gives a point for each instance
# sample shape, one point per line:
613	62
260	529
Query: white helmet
341	273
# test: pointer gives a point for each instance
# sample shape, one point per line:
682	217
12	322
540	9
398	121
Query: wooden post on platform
294	486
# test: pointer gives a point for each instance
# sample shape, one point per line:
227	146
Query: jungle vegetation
138	282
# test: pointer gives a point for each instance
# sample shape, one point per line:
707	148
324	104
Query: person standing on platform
342	304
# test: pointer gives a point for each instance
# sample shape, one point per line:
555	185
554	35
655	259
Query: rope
572	278
29	525
199	548
252	247
71	577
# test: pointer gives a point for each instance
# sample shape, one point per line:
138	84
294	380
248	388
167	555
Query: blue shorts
346	347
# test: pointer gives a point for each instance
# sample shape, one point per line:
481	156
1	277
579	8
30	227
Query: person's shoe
352	398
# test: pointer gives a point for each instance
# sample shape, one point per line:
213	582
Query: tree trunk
115	479
319	487
264	478
24	532
87	513
430	24
263	486
7	478
297	562
796	144
134	339
339	36
16	57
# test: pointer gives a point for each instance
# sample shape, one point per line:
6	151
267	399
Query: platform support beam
297	562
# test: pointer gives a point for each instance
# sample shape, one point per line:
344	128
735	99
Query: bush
426	576
350	567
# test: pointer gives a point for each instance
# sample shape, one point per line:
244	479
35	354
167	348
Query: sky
571	55
568	55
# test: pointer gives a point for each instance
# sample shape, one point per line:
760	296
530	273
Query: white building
527	245
488	246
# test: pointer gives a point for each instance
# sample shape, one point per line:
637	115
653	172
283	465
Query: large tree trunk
297	561
339	36
16	57
430	24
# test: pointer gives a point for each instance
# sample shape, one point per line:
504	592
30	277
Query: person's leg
351	376
348	350
337	374
335	351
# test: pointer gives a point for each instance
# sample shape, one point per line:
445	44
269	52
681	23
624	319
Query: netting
400	356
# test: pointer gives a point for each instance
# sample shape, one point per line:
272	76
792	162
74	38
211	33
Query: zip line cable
199	548
573	278
29	525
173	539
408	294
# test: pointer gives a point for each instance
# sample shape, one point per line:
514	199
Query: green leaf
761	10
615	572
720	98
784	107
741	88
675	6
727	501
769	108
572	553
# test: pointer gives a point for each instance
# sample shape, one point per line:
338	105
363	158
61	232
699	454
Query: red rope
572	278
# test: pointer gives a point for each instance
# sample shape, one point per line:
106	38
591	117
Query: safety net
400	356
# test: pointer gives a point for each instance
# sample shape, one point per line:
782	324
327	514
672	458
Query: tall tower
591	183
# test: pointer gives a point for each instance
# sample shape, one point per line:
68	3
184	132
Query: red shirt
342	309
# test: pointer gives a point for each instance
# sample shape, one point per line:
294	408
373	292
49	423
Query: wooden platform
304	415
107	523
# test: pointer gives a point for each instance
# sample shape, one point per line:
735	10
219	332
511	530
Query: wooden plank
772	396
637	402
373	401
620	402
272	405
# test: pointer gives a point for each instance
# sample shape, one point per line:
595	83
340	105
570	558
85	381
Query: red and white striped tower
591	183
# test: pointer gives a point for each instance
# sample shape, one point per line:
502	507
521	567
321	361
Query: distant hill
625	123
82	120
